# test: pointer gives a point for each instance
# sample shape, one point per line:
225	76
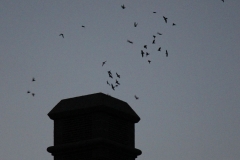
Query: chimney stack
94	127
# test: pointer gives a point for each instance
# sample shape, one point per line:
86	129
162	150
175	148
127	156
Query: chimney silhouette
94	127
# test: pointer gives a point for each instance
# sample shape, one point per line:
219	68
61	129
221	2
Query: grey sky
188	102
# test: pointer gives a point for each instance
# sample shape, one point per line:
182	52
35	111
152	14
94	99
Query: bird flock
113	81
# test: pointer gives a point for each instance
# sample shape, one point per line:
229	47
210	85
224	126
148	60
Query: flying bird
147	54
28	91
110	76
61	35
123	7
153	42
117	82
83	26
159	49
165	19
154	12
112	86
149	61
33	79
174	24
135	24
108	83
223	0
129	41
154	36
159	33
136	97
166	53
145	46
33	94
142	53
118	75
103	63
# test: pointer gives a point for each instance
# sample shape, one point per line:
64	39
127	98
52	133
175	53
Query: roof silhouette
93	102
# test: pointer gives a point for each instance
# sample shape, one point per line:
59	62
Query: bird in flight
129	41
28	91
136	97
165	19
154	12
123	7
112	86
223	0
149	61
153	42
117	75
108	83
83	26
103	63
154	36
159	33
142	53
110	76
174	24
33	79
166	53
135	24
159	49
117	82
145	46
147	54
33	94
61	35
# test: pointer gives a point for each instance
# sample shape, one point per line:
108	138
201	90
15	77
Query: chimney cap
91	103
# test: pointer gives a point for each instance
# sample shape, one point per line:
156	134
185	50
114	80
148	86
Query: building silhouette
94	127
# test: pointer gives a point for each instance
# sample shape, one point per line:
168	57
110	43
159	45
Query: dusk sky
189	102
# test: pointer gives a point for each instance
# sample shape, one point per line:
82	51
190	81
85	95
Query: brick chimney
94	127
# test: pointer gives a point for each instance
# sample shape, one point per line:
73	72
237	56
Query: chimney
94	127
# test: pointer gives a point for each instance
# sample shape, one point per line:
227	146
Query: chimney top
90	103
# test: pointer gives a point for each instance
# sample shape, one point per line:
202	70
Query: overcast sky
189	102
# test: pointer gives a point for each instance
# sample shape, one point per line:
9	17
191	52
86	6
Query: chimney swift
61	35
165	19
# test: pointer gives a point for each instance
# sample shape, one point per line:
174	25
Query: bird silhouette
123	7
117	82
117	75
159	49
135	24
110	76
153	42
83	26
112	86
33	94
174	24
154	12
223	0
145	46
103	63
147	54
154	36
129	41
165	19
166	53
136	97
61	35
33	79
142	53
159	33
149	61
28	92
108	83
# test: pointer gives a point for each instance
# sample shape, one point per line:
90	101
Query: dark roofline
97	102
